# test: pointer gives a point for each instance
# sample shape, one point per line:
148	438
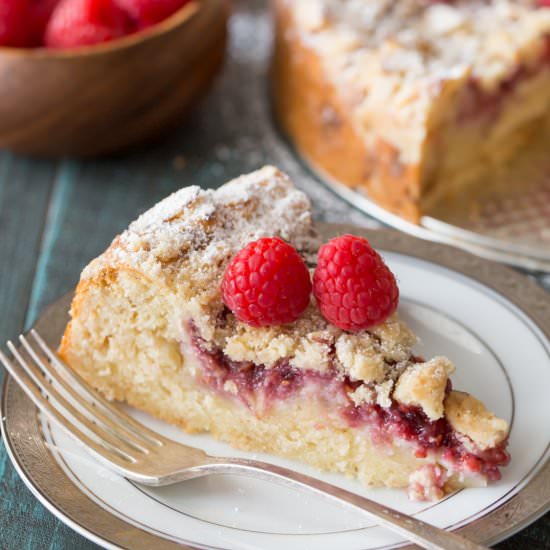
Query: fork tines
65	398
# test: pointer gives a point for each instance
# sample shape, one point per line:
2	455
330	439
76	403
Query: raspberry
353	286
145	13
40	13
267	283
473	463
14	29
83	22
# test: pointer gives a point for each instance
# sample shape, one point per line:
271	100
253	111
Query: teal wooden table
57	215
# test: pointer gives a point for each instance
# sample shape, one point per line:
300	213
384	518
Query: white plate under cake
149	327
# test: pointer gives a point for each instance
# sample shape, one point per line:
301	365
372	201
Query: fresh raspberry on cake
14	29
149	12
149	327
267	283
77	23
353	286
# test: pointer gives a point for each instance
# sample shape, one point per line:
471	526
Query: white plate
501	348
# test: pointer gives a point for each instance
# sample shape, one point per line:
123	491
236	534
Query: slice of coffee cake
149	327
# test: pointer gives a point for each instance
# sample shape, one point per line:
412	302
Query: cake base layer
128	340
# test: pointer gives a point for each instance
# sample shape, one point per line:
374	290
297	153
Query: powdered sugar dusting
168	208
422	37
190	236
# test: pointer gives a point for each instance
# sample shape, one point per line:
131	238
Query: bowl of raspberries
91	77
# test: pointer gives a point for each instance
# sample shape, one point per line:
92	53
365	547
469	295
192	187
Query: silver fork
137	453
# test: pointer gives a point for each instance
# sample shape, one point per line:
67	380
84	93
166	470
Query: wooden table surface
57	215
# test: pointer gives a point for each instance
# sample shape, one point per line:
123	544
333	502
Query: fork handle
419	532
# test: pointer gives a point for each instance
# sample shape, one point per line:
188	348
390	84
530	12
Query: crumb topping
425	38
468	416
361	357
188	238
373	356
424	384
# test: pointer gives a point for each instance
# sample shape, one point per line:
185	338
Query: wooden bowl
100	99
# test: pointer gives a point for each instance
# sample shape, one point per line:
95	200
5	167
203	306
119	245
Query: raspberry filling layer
476	103
258	387
412	424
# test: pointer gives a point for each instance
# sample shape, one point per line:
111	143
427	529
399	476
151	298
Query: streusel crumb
469	416
424	384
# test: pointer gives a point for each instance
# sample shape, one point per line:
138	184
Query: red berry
145	13
77	23
40	13
353	286
14	29
267	283
473	463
